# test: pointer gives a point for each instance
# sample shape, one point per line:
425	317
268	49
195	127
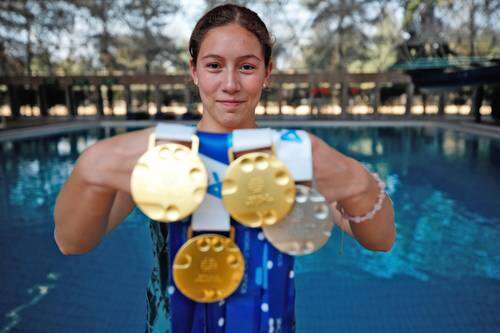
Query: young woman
230	63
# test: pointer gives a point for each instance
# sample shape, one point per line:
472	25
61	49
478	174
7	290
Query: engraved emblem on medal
258	189
208	268
308	226
169	181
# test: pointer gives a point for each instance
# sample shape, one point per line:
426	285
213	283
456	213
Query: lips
230	103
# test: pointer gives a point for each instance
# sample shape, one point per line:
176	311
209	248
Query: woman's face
230	73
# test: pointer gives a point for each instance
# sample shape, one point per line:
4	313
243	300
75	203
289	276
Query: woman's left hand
338	177
344	180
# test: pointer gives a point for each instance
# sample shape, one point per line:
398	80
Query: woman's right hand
109	163
96	196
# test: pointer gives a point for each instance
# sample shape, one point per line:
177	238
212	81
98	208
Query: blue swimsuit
265	300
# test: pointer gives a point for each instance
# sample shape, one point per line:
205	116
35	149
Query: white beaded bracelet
375	209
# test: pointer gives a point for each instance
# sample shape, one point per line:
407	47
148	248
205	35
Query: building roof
461	62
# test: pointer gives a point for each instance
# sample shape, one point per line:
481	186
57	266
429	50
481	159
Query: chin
232	120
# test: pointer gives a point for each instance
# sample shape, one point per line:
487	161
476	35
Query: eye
247	67
213	65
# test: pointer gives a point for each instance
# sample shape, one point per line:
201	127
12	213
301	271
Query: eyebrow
246	56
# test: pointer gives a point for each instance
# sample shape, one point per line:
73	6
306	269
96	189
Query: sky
289	23
183	22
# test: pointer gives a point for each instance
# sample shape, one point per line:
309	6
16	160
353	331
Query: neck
208	125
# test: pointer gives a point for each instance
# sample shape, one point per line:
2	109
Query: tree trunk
472	28
29	54
477	101
15	108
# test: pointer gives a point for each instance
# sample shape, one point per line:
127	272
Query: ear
269	69
192	70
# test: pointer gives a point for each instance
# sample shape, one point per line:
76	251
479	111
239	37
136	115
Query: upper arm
122	206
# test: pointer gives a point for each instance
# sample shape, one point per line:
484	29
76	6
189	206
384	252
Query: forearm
377	233
345	181
81	214
87	201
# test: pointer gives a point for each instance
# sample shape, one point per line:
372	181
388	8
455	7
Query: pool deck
49	127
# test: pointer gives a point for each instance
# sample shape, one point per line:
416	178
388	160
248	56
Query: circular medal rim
155	150
267	229
189	243
231	169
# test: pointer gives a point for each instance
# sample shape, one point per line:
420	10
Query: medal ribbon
211	215
172	132
294	150
252	139
260	304
308	226
264	301
186	314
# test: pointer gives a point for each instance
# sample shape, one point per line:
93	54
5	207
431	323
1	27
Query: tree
442	28
30	31
148	42
424	30
473	26
387	35
341	31
102	16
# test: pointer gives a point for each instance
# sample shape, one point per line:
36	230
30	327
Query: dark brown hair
226	14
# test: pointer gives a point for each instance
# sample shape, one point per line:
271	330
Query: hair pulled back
227	14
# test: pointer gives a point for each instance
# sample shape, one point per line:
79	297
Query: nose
231	84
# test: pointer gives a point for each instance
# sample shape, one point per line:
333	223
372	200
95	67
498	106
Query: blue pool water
443	273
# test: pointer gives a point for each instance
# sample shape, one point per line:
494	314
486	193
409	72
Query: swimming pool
443	273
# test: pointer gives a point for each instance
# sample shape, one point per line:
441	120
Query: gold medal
258	189
307	228
208	267
169	181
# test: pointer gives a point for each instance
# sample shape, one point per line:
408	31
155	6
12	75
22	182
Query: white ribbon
252	139
293	148
211	215
173	132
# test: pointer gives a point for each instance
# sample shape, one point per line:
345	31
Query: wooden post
477	101
158	99
41	100
128	100
98	100
312	87
70	103
187	98
111	98
344	100
376	98
441	104
333	92
410	90
15	108
424	103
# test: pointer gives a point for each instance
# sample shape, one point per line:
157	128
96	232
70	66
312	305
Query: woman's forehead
230	41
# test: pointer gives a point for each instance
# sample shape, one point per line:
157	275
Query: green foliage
342	32
30	31
128	36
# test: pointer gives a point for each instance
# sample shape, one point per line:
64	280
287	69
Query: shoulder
313	138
